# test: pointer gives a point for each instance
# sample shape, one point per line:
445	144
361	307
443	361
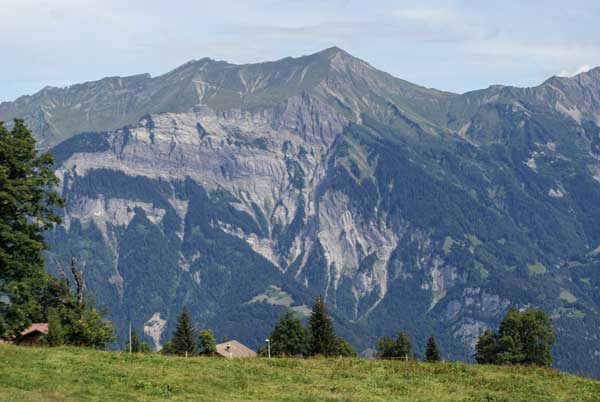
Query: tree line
290	338
525	337
28	293
186	341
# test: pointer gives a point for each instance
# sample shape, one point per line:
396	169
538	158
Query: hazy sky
451	45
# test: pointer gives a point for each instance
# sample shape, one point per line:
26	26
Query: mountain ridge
241	191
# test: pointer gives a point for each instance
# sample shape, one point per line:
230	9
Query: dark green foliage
83	325
26	211
55	335
137	345
399	348
168	348
289	337
206	342
403	346
385	347
485	349
432	354
524	338
184	339
344	348
322	336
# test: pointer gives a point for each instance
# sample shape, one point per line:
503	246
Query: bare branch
78	276
61	269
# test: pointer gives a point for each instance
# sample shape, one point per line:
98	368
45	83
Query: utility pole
130	350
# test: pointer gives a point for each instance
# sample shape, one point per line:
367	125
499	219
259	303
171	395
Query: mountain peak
333	51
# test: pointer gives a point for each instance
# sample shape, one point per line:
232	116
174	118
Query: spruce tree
432	354
184	340
323	339
289	337
206	342
135	341
403	348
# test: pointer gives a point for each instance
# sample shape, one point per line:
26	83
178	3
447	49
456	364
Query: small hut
234	350
31	336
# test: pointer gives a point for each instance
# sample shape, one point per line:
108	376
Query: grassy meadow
72	374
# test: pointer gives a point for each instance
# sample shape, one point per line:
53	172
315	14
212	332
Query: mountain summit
332	75
244	190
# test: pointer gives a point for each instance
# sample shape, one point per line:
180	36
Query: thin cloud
571	73
445	22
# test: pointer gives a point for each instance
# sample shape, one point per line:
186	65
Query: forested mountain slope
240	190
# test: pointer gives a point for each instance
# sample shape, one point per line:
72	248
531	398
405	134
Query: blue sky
450	45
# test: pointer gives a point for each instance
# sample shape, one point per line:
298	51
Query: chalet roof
234	349
36	327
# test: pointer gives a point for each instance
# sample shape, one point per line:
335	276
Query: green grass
71	374
537	269
448	243
567	296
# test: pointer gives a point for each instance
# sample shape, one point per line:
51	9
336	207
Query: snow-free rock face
240	191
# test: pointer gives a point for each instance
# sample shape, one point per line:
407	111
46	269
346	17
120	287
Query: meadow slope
71	374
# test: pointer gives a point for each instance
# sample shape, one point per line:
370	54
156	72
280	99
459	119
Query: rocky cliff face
243	190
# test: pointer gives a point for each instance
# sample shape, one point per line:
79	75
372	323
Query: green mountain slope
240	191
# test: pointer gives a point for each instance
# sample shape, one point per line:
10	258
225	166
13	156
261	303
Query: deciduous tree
27	209
289	337
206	342
523	338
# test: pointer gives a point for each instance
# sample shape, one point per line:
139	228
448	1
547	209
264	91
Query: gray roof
234	349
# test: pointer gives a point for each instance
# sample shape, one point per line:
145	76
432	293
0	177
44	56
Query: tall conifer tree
323	339
184	340
432	353
403	346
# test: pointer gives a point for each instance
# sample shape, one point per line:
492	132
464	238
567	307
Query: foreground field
70	374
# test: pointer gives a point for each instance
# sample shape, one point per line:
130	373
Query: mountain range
243	190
